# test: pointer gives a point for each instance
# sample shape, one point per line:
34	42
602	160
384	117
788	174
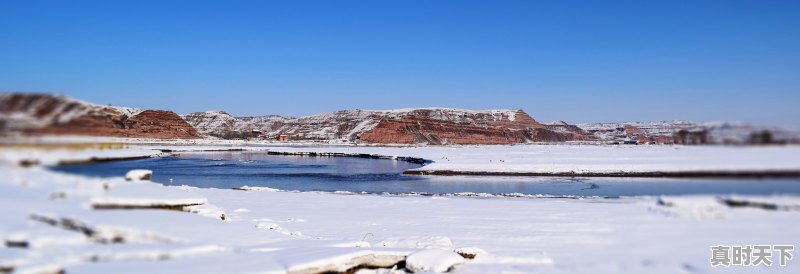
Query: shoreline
613	174
100	160
656	174
468	162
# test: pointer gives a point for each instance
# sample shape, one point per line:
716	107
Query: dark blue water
236	169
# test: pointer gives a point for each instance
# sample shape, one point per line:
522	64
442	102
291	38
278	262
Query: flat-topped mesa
210	121
436	126
37	114
45	114
447	126
158	124
108	122
500	117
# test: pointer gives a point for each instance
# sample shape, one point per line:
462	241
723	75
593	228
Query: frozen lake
236	169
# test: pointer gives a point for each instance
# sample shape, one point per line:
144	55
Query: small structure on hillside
282	138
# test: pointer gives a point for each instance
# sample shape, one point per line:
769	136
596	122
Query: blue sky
579	61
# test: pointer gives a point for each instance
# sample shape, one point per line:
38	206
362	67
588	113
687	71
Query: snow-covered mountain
747	133
400	126
680	131
328	126
631	131
564	127
18	112
34	114
214	123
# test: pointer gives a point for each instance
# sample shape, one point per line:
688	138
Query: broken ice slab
433	260
338	259
145	196
139	175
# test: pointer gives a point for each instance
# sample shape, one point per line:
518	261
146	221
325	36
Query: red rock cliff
426	127
38	114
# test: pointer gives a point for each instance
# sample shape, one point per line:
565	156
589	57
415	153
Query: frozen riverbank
52	222
524	160
590	160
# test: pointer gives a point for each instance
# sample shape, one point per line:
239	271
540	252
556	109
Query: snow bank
586	159
147	195
692	207
15	156
432	260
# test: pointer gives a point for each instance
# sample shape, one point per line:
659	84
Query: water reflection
236	169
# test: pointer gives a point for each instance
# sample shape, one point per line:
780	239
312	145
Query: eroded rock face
344	125
211	122
435	126
415	130
159	124
467	128
38	114
25	111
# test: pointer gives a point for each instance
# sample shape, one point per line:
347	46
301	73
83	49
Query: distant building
282	138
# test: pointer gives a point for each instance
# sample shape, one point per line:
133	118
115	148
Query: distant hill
45	114
686	132
435	126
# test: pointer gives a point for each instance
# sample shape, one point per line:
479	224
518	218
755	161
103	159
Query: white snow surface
433	260
56	156
126	111
280	232
586	158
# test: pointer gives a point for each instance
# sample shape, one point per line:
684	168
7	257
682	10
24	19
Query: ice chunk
139	175
432	260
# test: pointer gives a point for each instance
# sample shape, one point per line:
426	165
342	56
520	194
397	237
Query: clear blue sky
579	61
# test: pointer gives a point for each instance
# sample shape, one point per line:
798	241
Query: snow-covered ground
54	221
60	156
580	159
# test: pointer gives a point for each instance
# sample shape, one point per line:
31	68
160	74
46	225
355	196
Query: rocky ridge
686	132
44	114
39	114
433	126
